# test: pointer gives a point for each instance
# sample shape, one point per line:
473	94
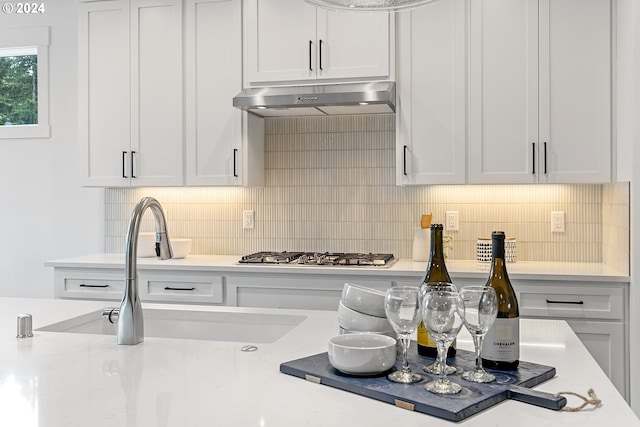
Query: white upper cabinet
104	121
131	95
431	109
156	95
216	153
130	92
290	40
540	91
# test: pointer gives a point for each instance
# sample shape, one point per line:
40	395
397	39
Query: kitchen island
63	379
591	297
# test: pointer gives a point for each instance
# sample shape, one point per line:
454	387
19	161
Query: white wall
44	213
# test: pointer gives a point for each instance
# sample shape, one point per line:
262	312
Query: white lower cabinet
607	344
597	312
317	292
184	287
93	284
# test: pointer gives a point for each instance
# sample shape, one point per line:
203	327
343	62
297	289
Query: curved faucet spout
130	320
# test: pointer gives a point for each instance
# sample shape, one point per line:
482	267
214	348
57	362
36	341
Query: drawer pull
565	302
171	288
84	285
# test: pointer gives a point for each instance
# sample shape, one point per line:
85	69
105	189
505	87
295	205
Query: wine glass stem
442	358
477	340
405	340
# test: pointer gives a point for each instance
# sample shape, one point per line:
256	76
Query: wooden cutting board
472	399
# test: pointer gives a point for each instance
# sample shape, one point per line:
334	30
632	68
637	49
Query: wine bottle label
425	340
502	342
423	337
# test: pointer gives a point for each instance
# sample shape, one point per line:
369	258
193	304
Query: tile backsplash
330	186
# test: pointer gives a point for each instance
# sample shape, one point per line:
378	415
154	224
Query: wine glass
441	316
402	306
434	368
479	311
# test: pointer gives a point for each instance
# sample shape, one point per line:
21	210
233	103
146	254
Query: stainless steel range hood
325	99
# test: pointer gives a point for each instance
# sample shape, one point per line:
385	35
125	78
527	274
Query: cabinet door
103	91
156	92
503	104
575	90
605	341
540	91
281	40
213	78
352	45
431	117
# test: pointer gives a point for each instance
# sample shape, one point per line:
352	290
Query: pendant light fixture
369	5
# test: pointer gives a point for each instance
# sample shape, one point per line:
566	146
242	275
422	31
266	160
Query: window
24	83
18	86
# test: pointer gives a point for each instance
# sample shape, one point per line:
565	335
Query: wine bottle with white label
501	347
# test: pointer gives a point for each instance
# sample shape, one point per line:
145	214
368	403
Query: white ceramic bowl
356	321
180	248
365	300
362	354
391	334
146	244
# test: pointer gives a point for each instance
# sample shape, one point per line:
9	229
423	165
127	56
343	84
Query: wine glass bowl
402	307
478	310
435	367
442	317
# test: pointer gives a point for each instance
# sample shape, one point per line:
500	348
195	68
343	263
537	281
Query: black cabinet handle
533	157
310	48
545	157
235	157
84	285
171	288
565	302
133	175
404	160
124	162
320	55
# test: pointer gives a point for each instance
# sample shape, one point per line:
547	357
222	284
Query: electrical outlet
557	222
248	219
453	221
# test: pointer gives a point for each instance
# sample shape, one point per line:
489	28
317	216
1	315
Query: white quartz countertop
403	268
67	380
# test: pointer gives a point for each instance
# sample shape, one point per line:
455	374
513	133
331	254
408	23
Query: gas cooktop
320	259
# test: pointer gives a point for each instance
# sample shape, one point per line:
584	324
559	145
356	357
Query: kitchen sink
187	324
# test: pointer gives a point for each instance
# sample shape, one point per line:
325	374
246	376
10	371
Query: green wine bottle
436	273
501	348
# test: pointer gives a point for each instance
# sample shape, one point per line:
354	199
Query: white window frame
38	38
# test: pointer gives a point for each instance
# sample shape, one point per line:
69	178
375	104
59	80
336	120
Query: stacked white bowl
361	309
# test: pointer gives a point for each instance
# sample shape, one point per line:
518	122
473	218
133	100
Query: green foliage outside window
18	90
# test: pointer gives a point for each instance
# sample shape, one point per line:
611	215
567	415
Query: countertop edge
401	269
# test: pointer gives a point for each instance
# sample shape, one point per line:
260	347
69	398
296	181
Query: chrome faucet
130	320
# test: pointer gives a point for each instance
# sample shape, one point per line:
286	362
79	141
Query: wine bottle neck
437	250
436	269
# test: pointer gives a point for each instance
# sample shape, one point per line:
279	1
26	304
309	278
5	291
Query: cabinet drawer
88	285
571	302
306	292
182	288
